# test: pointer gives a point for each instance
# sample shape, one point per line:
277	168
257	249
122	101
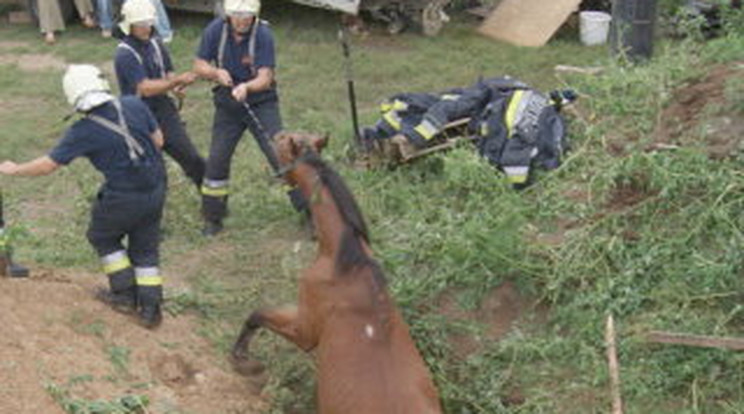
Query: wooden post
617	403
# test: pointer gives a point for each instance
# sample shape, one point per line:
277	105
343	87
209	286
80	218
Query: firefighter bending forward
237	52
121	139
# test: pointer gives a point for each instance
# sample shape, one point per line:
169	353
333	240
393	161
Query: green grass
668	259
129	404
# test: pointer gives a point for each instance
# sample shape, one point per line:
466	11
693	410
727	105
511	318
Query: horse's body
367	362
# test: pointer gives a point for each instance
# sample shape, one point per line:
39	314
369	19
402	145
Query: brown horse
367	362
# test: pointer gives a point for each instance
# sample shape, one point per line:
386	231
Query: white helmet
85	87
136	12
242	7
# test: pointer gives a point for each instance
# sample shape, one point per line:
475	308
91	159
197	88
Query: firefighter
237	52
121	139
144	68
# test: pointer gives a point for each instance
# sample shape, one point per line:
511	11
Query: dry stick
595	70
617	403
736	344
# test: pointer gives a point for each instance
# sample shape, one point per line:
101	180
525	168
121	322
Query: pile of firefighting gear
515	127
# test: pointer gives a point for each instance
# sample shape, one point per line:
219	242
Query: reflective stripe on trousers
148	276
115	262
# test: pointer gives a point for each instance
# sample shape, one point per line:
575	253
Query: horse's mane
351	252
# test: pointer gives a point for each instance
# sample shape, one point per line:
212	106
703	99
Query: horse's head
292	145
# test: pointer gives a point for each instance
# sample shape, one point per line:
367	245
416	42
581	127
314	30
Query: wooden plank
527	22
614	367
736	344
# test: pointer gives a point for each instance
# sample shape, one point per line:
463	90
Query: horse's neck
329	224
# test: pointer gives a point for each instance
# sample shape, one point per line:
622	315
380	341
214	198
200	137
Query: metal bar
343	38
2	215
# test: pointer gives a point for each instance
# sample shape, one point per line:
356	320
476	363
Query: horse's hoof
248	367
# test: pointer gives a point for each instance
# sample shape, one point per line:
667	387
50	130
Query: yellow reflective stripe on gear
117	266
426	129
399	105
147	276
215	188
396	105
214	192
450	97
115	262
512	111
393	119
517	175
150	281
517	179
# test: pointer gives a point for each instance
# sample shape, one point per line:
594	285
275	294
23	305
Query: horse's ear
298	144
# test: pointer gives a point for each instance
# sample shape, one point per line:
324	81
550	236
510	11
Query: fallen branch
617	403
594	70
736	344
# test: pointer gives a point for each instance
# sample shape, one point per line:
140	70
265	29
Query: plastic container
594	27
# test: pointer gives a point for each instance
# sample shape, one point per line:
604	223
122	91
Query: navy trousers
177	142
231	119
134	215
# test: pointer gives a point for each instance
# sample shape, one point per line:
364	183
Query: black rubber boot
212	228
16	270
122	295
122	302
150	299
150	316
4	264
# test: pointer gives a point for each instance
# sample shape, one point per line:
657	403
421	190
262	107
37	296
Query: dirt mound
706	110
59	343
499	312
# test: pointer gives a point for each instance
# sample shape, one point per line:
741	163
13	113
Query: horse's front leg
284	321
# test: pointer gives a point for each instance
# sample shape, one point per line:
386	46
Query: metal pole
2	215
343	38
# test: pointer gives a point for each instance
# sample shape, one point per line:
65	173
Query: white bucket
594	27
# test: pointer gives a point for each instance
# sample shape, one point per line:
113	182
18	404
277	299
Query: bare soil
56	334
500	311
33	62
702	112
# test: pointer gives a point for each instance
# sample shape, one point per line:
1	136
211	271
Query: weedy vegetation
128	404
653	236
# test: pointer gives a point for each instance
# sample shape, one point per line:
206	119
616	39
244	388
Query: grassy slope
448	223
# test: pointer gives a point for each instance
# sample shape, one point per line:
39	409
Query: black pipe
343	38
2	216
